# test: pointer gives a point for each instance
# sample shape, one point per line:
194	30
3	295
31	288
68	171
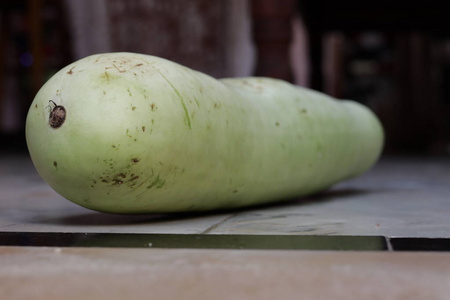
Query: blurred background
392	57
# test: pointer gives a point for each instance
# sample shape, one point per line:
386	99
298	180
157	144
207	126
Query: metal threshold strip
211	241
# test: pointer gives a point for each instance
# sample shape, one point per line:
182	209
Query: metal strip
201	241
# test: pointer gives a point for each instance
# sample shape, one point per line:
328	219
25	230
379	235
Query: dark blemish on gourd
106	76
135	160
157	183
277	124
117	181
57	115
104	93
138	65
70	71
153	106
304	111
55	164
120	71
108	161
129	92
133	108
143	128
235	191
161	163
153	121
114	146
134	178
128	133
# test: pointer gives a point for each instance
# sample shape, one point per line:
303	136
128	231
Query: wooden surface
83	273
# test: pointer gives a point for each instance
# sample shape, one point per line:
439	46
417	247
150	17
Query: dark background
393	56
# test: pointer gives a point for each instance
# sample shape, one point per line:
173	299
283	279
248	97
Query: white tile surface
28	204
399	197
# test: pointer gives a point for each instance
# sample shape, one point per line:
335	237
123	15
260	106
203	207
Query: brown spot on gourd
55	164
143	128
120	71
117	181
277	124
134	178
138	65
57	116
114	146
35	106
153	106
70	71
128	133
105	76
135	160
133	108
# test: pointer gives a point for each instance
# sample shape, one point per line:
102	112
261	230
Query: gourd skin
142	135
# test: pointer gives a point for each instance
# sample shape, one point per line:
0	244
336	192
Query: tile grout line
215	226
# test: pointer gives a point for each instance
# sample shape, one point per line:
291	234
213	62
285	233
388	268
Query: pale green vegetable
131	133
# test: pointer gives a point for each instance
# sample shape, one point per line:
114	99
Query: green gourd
132	133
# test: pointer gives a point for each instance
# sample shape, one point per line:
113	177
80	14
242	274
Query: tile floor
398	198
